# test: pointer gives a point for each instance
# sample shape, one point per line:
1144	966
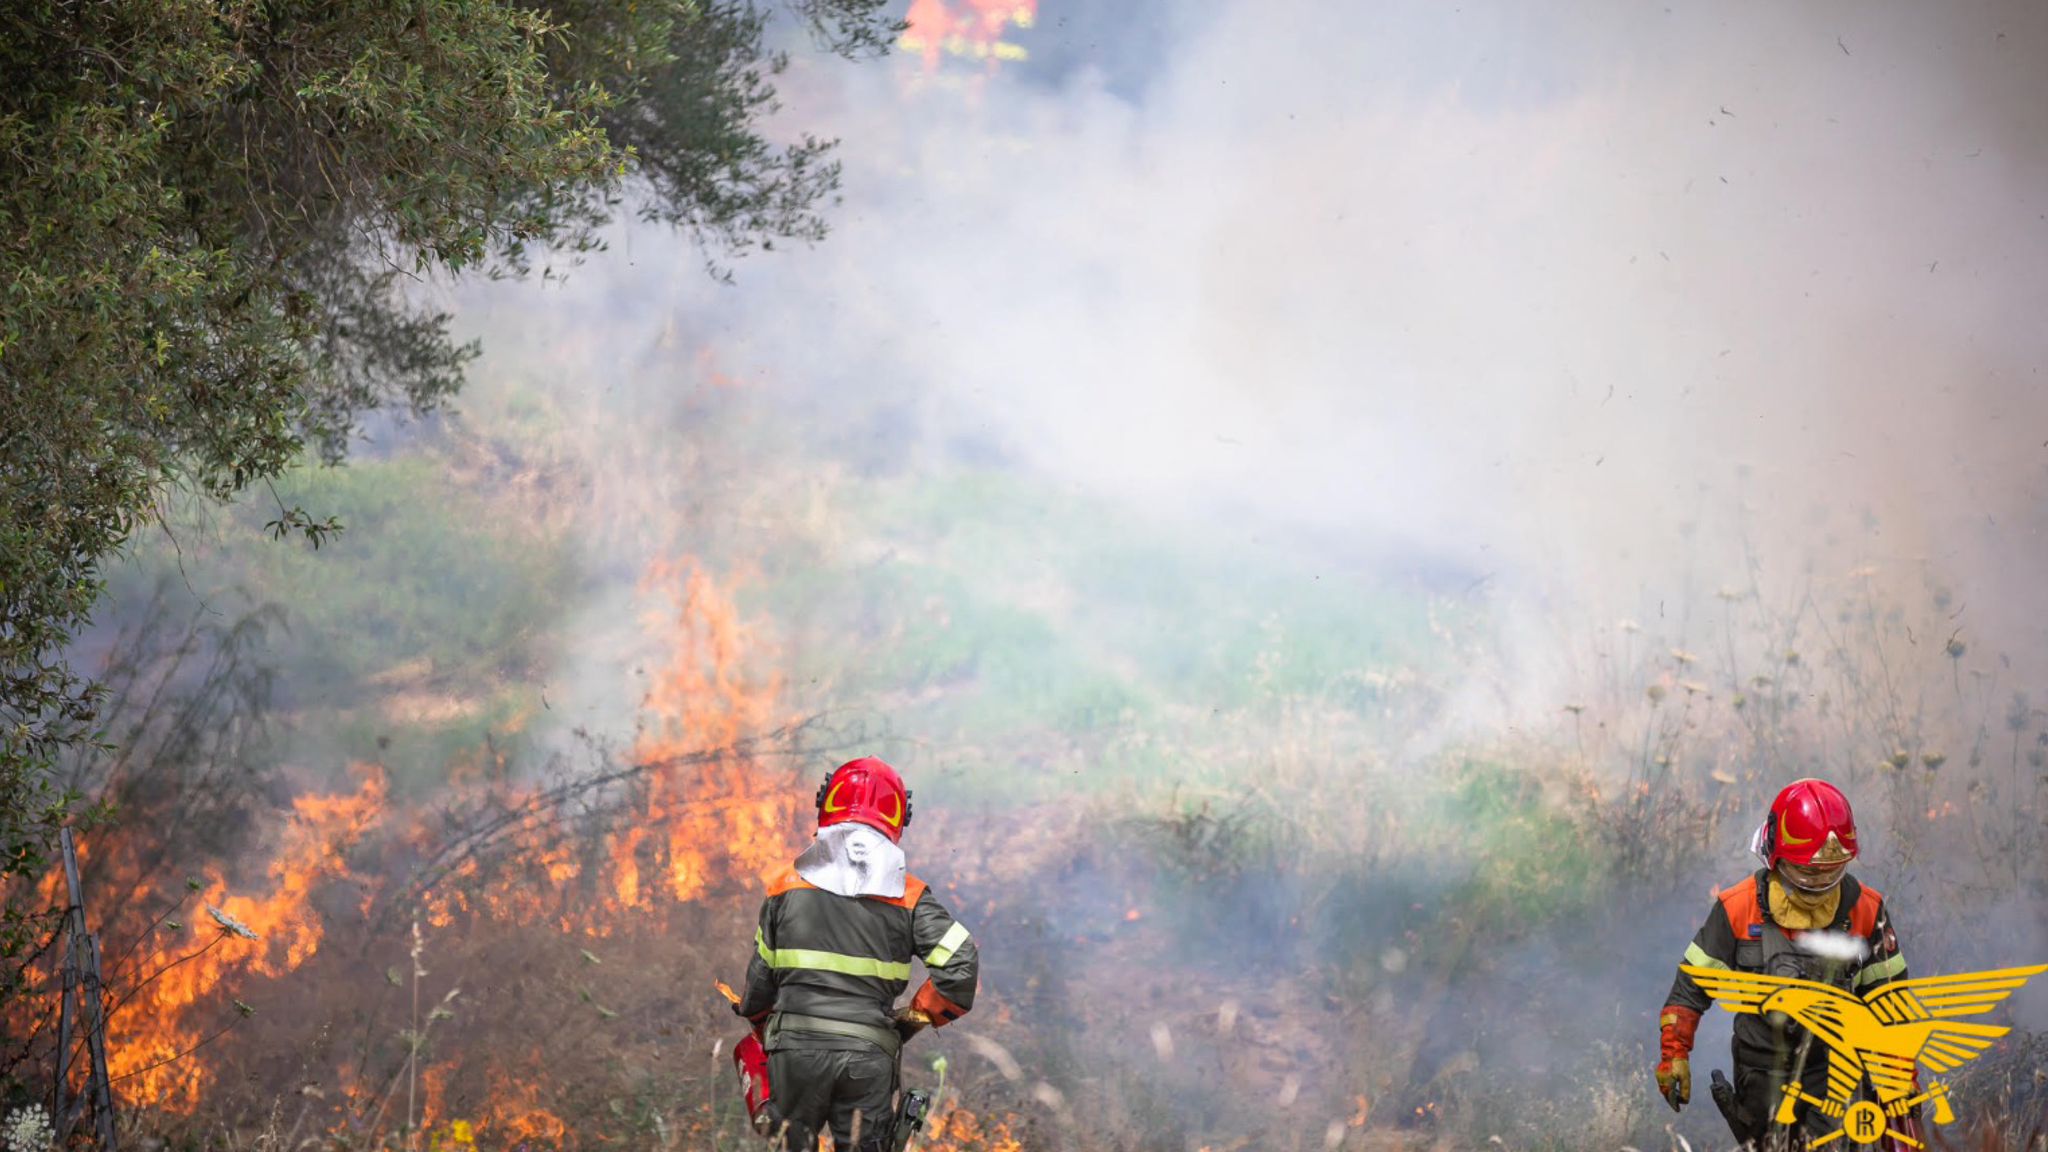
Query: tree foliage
211	211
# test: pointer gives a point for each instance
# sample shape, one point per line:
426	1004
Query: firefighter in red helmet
832	954
1801	915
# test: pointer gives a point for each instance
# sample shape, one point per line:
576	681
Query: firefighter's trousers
816	1087
1759	1091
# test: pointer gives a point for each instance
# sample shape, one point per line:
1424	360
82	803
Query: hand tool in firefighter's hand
1674	1082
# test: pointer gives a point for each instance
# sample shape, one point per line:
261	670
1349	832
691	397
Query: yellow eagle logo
1886	1034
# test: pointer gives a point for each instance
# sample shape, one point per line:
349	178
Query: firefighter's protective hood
854	860
1800	910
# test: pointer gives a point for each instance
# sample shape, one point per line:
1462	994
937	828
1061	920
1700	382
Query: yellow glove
1674	1080
911	1021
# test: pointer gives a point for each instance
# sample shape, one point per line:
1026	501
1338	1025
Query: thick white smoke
1578	298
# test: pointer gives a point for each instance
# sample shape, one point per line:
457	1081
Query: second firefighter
1803	916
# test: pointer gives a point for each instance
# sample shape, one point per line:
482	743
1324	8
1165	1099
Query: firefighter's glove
1674	1080
1674	1069
911	1021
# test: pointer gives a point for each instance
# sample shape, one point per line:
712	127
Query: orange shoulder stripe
913	890
786	881
1863	917
1742	906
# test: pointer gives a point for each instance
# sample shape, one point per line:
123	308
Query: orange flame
958	1130
519	1115
159	1020
698	816
970	29
694	820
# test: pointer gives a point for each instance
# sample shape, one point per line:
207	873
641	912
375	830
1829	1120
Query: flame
958	1130
518	1116
693	821
969	29
434	1086
720	822
161	1015
693	815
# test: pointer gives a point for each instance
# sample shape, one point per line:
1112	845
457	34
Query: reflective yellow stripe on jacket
948	944
1882	970
829	961
1698	958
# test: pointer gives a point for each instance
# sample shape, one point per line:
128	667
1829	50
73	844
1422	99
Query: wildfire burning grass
183	965
540	909
689	823
1285	966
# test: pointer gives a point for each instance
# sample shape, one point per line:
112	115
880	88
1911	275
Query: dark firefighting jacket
823	956
1740	935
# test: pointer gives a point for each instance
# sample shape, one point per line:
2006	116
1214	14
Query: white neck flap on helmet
853	859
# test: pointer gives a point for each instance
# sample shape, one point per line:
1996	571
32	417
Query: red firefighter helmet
1809	835
868	791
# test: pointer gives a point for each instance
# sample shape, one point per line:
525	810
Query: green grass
426	592
1532	861
1020	641
422	573
1020	633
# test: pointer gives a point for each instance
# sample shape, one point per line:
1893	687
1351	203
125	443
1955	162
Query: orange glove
1674	1070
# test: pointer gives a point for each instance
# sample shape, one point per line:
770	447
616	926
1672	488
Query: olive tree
210	211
